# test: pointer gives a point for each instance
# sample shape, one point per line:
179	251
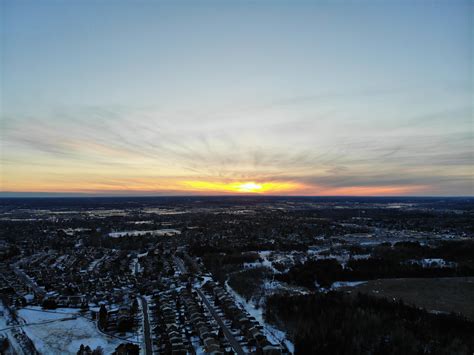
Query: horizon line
6	195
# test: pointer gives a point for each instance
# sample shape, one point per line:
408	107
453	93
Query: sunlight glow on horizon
249	187
240	187
202	187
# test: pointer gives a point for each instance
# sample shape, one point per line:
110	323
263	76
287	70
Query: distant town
237	275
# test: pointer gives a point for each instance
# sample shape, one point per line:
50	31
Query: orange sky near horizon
214	187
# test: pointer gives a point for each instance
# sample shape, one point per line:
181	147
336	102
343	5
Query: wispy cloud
300	142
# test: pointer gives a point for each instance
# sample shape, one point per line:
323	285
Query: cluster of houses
79	277
208	332
241	320
12	287
181	322
123	320
181	326
432	263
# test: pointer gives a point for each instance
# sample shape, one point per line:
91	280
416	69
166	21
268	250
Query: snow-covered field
157	232
10	333
62	335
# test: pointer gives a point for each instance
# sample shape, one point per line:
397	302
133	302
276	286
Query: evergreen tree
103	318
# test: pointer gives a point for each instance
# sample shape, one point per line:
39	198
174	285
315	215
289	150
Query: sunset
281	98
236	177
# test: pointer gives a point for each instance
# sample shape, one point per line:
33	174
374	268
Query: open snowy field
56	333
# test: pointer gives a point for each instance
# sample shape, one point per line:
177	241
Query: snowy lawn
64	336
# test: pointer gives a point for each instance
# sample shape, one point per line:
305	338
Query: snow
57	333
135	266
428	263
72	231
361	256
339	284
94	263
141	336
273	334
15	336
198	348
437	312
137	233
265	262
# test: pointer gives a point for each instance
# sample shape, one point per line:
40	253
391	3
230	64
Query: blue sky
307	97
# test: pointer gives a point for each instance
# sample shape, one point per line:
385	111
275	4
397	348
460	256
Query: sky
236	97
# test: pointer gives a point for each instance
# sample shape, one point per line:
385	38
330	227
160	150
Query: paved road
230	337
228	334
146	327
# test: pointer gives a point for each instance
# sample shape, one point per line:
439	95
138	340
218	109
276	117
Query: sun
248	187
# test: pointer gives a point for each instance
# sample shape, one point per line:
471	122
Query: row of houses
213	340
180	322
169	326
240	319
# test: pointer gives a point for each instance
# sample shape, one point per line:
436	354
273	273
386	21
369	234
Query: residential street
228	334
146	327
